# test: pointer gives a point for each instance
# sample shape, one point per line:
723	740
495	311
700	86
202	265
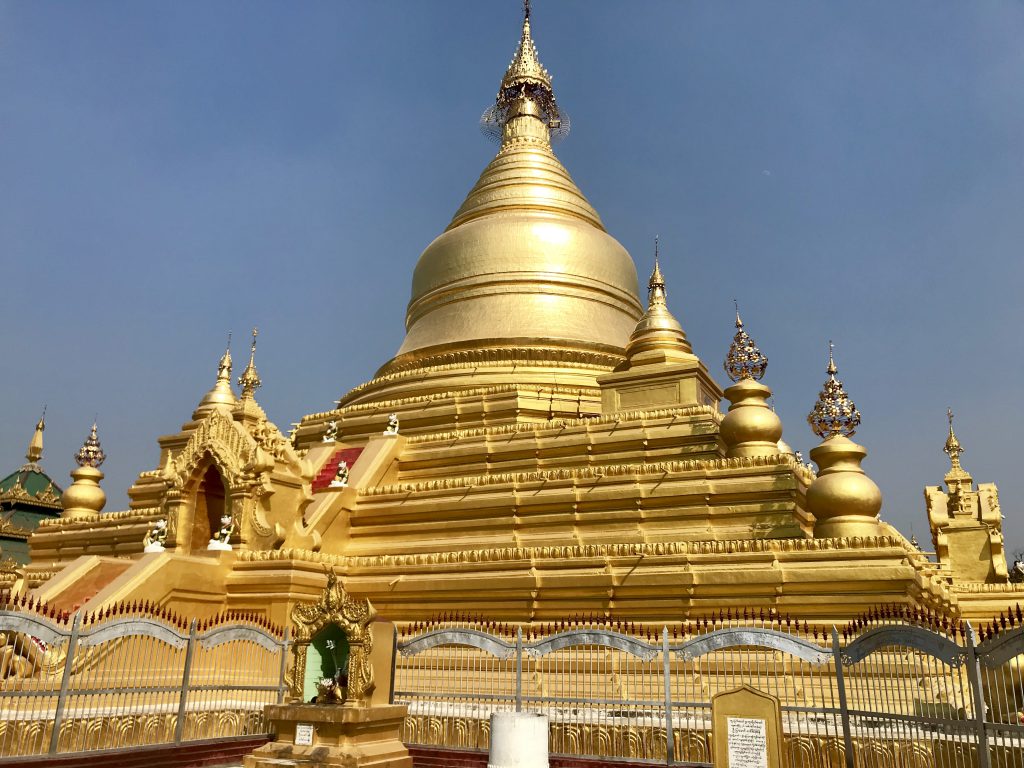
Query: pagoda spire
952	447
958	478
249	381
656	293
658	328
35	445
525	109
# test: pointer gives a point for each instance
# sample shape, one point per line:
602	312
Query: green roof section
29	486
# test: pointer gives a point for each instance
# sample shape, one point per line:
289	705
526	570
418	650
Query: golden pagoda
542	443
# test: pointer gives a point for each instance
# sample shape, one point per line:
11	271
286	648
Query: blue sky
173	171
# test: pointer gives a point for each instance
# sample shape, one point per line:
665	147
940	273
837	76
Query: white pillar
518	740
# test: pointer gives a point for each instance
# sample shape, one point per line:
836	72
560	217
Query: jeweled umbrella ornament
834	413
91	454
525	79
745	360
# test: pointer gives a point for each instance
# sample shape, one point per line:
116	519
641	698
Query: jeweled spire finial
952	447
656	293
35	446
834	413
745	360
525	67
91	454
249	381
525	91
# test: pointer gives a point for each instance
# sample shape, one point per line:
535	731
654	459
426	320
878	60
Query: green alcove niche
320	660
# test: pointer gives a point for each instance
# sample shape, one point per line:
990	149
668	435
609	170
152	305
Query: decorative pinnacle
91	454
834	413
224	369
525	67
249	381
745	360
656	293
952	447
35	446
525	91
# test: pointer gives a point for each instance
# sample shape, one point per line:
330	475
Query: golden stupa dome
525	261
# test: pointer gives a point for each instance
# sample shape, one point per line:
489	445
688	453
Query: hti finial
952	448
249	381
224	368
745	360
834	413
656	293
91	454
525	91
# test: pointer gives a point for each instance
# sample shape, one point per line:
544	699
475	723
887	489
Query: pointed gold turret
221	394
953	449
659	359
35	446
843	499
249	381
658	337
525	271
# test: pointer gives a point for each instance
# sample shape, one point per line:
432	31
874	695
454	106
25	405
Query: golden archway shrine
544	444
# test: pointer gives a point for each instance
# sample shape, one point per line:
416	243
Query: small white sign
748	743
303	734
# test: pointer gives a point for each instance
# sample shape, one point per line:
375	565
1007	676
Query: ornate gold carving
223	440
581	473
587	551
556	426
147	515
353	617
16	492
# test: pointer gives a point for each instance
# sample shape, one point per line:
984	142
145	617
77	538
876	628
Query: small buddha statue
392	424
331	433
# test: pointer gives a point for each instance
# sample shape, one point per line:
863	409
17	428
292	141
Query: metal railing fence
894	694
77	683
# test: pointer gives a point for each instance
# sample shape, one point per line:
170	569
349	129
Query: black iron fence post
65	680
179	728
978	695
670	747
844	708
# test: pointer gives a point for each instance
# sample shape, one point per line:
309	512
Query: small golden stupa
541	444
